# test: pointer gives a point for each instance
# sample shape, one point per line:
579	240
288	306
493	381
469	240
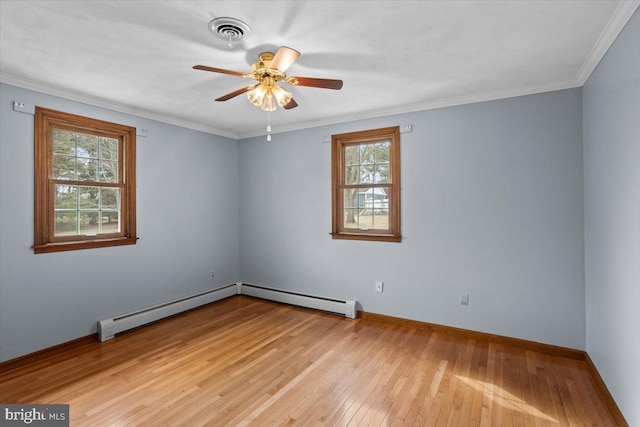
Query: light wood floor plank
248	362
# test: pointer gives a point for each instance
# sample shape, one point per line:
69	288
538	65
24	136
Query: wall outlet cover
464	299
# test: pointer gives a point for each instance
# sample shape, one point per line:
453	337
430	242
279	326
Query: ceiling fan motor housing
260	69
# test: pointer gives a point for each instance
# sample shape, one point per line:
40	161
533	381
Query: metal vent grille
229	29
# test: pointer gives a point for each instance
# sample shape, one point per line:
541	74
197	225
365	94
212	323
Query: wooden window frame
44	202
338	144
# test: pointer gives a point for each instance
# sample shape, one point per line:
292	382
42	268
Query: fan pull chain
268	126
230	45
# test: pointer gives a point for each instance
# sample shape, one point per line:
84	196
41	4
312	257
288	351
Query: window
366	185
85	191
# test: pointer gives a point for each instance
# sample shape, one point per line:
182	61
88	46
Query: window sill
363	236
86	244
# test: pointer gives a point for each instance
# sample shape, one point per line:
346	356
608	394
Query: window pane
111	198
381	218
352	155
76	157
366	220
375	209
88	222
381	175
367	153
366	173
375	199
94	205
351	198
382	152
378	219
64	142
108	148
108	171
66	197
89	197
110	222
87	169
373	159
352	175
64	167
66	223
87	145
351	218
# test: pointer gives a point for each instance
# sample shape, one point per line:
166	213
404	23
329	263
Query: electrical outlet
464	299
213	273
379	286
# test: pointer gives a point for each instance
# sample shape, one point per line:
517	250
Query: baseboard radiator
108	328
344	307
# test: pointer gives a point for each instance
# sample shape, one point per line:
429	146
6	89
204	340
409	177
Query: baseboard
478	336
47	353
604	392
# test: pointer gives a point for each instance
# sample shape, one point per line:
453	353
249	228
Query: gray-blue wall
492	205
187	223
611	101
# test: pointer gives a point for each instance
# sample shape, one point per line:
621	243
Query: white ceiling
393	56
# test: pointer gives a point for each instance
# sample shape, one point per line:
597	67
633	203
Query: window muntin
366	185
86	210
85	157
85	182
92	209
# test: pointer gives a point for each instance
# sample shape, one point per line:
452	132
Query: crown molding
24	83
620	17
422	106
387	111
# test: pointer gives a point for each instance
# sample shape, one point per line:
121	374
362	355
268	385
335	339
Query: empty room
268	213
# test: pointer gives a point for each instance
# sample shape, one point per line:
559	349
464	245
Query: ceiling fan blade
291	104
284	58
218	70
315	82
235	93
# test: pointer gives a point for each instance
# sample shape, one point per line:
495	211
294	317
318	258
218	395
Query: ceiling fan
268	70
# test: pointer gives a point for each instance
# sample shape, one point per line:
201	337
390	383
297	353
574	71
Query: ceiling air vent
229	29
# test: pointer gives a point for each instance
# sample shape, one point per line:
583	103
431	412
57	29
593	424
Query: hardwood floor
245	361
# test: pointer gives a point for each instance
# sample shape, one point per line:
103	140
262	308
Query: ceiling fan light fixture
269	103
266	96
282	96
256	95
